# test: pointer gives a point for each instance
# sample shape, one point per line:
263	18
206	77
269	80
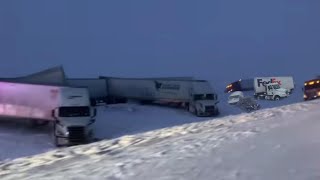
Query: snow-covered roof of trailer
51	76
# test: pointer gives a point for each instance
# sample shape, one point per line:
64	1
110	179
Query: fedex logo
264	83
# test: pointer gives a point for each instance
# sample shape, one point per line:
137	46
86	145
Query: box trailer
196	95
97	88
273	88
67	108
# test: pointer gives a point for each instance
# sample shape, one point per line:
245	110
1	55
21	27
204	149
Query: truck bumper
214	112
73	135
311	98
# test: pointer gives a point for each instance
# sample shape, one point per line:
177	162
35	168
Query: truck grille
77	134
210	108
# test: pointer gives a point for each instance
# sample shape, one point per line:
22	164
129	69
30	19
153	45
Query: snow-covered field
19	139
276	143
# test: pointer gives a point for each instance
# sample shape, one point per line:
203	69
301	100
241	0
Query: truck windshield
234	97
197	97
79	111
312	86
276	86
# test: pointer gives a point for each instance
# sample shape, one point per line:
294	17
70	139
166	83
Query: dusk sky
219	40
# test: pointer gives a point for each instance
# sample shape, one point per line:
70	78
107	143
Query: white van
235	97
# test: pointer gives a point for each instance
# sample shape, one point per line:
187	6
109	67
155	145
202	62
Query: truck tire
57	142
55	138
196	112
217	112
277	98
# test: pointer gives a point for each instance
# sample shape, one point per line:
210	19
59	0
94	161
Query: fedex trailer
66	108
273	88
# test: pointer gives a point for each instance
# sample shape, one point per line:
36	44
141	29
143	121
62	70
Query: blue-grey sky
220	40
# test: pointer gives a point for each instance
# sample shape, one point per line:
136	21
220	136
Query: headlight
304	96
319	93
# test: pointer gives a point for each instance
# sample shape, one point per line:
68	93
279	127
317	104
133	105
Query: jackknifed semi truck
67	109
197	96
97	88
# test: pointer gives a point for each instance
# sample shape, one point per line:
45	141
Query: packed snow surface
275	143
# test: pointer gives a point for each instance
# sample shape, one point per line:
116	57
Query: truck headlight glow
319	93
304	96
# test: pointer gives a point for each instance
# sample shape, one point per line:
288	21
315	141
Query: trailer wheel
277	98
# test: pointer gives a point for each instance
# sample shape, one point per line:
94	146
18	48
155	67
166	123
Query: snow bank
116	158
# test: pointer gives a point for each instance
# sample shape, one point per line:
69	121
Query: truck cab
276	92
204	101
74	117
311	89
273	91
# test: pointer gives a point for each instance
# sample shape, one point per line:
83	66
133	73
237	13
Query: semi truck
67	109
97	88
273	88
196	96
311	89
240	85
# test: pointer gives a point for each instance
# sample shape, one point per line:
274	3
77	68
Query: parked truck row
272	88
268	88
197	96
68	104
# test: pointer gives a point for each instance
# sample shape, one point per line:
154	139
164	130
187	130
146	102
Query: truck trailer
240	85
97	88
67	109
196	96
273	88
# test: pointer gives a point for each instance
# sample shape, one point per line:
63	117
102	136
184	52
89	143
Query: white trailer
196	95
66	108
273	88
97	88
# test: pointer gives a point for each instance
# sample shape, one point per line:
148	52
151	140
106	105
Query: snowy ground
19	140
277	143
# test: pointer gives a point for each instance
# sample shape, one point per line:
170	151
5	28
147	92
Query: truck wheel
277	98
57	141
196	112
217	113
55	138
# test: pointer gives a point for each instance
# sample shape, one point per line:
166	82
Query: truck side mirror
94	114
52	113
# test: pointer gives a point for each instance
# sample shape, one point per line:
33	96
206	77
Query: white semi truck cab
204	101
273	91
73	118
